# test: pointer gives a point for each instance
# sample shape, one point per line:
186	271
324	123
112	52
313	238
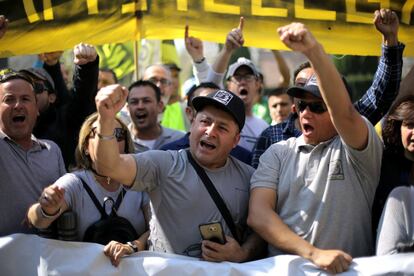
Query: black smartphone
212	231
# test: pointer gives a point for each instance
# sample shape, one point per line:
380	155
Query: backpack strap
218	200
94	199
118	201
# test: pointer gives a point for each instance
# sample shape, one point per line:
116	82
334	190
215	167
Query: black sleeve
85	87
62	93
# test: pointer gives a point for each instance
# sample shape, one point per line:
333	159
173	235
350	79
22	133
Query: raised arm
347	121
234	40
108	160
52	65
376	102
266	222
284	77
85	79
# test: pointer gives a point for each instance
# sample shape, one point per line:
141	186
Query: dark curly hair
401	111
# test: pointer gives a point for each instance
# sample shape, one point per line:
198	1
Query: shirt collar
36	142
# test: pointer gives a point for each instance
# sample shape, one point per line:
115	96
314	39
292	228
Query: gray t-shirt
397	221
168	135
79	201
23	176
324	192
180	201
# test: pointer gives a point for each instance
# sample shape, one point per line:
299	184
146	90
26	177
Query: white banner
22	254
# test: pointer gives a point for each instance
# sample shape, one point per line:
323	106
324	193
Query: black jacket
62	121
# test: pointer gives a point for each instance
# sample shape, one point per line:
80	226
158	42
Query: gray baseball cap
239	63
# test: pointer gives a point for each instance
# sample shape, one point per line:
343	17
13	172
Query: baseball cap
9	74
311	86
225	100
40	73
239	63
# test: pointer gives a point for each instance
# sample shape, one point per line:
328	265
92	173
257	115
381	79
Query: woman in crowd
70	193
396	227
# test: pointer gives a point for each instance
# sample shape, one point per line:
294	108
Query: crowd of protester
138	168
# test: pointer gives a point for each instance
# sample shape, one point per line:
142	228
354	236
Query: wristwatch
133	246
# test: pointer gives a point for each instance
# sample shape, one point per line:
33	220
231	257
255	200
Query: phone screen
212	231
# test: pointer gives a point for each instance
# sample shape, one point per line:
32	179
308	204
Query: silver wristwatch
133	246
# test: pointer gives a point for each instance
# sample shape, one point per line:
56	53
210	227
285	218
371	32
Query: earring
86	152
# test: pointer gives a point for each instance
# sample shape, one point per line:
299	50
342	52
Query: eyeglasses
315	107
163	82
120	133
9	74
239	78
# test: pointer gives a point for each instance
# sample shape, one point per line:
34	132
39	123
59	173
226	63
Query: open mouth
141	116
307	128
207	145
19	118
244	92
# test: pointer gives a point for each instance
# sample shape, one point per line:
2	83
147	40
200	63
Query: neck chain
108	179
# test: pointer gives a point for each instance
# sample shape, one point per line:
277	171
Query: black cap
225	100
311	86
9	74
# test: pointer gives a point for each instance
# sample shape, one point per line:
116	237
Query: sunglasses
120	133
315	107
40	87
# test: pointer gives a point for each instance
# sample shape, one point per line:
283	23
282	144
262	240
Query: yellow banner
342	26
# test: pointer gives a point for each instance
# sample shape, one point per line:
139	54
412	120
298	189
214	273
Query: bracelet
46	215
106	137
200	61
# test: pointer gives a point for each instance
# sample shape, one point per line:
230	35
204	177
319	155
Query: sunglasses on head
120	133
315	107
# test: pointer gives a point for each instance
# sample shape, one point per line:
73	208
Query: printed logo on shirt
223	96
336	171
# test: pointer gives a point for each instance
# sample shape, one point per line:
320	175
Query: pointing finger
241	23
186	32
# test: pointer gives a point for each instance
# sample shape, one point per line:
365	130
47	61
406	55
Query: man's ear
52	98
160	107
189	113
236	140
293	108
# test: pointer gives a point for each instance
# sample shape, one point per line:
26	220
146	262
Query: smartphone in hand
212	231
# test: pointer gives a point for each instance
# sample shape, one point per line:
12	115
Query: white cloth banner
22	254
